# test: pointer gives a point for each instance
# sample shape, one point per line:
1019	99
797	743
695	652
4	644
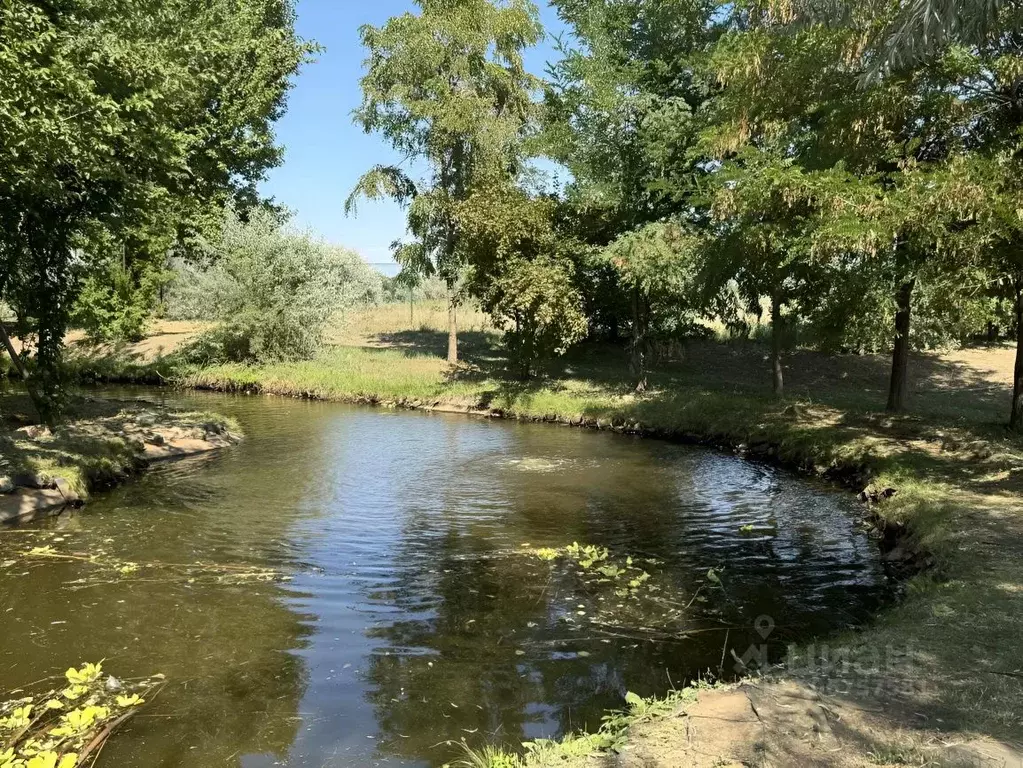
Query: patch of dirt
787	723
164	337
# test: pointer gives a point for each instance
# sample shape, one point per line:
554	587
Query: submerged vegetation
110	569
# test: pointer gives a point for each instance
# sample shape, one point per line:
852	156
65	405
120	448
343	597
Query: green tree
766	210
121	122
523	272
623	115
916	30
448	89
658	264
887	148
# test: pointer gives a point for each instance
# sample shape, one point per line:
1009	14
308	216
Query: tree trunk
1016	419
899	383
15	357
776	332
638	361
19	363
452	325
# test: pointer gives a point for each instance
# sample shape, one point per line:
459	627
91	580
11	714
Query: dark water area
416	612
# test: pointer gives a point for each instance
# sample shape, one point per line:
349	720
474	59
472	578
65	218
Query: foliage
114	126
540	311
67	726
609	738
447	88
661	260
920	28
622	113
116	300
522	274
399	288
272	291
106	569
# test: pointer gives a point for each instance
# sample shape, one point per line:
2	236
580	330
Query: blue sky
324	152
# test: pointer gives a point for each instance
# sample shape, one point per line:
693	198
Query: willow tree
448	89
121	121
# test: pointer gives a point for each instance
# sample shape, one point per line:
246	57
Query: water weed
66	726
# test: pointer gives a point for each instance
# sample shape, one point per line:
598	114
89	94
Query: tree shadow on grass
120	362
475	346
944	393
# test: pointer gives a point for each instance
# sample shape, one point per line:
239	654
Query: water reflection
416	616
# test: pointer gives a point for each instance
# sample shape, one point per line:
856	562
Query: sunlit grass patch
612	735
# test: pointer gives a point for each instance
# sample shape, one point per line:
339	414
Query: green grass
78	450
572	750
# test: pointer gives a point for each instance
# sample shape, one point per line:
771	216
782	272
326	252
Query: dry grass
373	326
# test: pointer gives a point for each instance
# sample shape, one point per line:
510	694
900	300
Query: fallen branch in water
122	570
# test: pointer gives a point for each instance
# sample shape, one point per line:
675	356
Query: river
416	611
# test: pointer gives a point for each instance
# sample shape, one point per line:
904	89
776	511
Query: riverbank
105	442
936	675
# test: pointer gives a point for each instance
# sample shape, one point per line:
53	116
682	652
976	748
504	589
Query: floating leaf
87	674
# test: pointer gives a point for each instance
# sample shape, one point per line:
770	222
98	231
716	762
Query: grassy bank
957	473
102	443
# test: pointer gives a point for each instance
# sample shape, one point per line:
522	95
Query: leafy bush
539	309
397	288
115	301
271	290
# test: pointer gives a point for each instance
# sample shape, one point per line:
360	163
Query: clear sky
324	152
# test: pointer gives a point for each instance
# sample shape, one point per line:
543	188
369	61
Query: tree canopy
126	123
448	89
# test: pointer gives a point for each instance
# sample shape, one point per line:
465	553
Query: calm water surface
414	615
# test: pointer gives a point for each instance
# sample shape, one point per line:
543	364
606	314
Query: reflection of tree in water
452	667
482	650
234	682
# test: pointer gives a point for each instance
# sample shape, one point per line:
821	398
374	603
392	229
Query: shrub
271	290
539	309
115	302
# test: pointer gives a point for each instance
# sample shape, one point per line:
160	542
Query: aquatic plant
614	596
66	726
109	568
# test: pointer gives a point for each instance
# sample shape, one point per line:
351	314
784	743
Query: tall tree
885	143
622	114
448	89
